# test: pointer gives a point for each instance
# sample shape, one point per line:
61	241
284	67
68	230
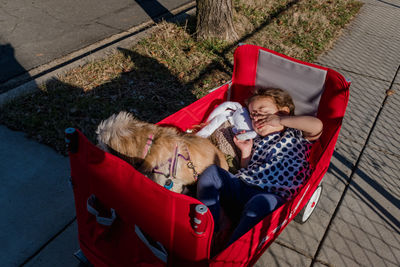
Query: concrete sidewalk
356	223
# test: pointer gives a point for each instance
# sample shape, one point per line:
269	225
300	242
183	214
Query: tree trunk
214	20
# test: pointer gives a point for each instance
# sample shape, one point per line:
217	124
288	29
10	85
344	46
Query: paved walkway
357	222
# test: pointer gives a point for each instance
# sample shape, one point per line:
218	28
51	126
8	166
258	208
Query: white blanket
237	115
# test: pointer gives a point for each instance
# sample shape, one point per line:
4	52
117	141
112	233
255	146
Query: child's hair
280	97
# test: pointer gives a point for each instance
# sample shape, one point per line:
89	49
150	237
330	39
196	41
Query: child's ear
285	110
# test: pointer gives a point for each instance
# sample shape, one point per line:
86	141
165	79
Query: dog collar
173	161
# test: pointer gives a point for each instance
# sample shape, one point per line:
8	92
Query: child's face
259	109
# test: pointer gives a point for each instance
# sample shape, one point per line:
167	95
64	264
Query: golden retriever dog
165	155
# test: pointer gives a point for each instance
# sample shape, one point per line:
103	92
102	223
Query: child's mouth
258	125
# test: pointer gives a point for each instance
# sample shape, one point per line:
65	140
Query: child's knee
210	170
209	178
261	205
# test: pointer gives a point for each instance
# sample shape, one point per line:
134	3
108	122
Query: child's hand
271	119
245	146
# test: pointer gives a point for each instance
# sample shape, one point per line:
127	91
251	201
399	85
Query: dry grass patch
97	73
169	69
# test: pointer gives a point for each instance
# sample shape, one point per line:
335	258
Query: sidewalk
356	223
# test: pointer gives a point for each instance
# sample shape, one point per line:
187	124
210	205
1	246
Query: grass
170	69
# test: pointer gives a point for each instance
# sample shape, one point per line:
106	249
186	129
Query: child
273	166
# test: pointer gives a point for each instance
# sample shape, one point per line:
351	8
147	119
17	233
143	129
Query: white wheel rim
312	203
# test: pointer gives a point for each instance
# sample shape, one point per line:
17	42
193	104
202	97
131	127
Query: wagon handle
160	252
101	220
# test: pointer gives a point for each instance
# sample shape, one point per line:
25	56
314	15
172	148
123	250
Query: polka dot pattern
279	163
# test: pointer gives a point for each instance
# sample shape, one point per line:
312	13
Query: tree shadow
367	217
154	9
388	3
12	76
10	68
369	200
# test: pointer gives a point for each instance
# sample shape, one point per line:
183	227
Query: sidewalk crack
48	242
353	72
49	14
109	26
302	252
382	150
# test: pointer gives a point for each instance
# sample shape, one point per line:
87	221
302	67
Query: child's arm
309	125
245	147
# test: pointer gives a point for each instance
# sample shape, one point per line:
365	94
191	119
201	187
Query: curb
98	50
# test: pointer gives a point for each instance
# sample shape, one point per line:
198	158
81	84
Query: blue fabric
279	163
250	203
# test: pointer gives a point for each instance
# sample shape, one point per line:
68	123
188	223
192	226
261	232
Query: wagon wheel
308	209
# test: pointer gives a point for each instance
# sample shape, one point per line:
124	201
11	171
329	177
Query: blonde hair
280	97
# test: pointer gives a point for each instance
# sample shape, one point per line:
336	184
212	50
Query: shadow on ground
10	68
150	91
154	9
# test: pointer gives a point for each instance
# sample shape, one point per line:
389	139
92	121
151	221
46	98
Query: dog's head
170	183
124	136
114	131
173	178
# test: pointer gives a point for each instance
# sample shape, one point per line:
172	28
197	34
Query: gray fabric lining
304	83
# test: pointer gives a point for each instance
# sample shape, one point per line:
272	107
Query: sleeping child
274	165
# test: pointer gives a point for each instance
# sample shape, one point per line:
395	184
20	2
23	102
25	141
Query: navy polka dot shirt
279	163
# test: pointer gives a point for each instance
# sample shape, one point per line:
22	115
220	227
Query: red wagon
125	219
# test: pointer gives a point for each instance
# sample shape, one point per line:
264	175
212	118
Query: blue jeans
217	186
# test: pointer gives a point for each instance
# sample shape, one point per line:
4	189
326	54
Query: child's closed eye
259	114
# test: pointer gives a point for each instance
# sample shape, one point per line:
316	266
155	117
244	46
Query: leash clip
169	184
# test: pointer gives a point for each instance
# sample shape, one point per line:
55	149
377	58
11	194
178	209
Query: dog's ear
145	167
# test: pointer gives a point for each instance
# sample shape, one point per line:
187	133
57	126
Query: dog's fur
126	137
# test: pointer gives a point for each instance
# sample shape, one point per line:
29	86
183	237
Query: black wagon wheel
308	209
